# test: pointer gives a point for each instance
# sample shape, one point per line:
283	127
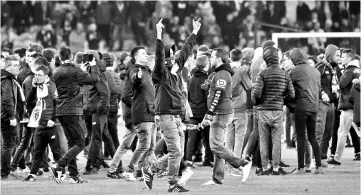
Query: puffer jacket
351	72
68	79
272	86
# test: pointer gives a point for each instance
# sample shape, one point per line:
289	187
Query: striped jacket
273	85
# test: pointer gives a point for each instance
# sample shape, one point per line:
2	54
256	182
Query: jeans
113	128
208	154
334	133
289	135
170	126
75	133
42	137
270	125
325	125
193	139
221	153
254	134
8	140
355	140
146	133
99	124
62	139
126	142
308	147
235	133
346	119
27	136
305	119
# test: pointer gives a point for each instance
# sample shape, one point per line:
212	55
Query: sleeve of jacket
159	66
321	69
7	99
104	93
31	98
186	50
246	80
54	94
345	79
258	89
290	91
85	78
134	77
127	93
221	83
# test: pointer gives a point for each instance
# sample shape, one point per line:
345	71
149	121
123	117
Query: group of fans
234	102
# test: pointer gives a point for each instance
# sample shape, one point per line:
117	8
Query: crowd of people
108	25
224	109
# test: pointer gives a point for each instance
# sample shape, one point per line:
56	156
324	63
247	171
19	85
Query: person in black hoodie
306	81
68	79
351	72
169	105
219	116
98	106
326	110
12	104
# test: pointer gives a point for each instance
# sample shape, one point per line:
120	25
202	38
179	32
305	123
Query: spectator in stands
92	37
302	13
320	11
120	11
47	36
77	38
139	15
103	18
317	43
68	24
163	9
210	30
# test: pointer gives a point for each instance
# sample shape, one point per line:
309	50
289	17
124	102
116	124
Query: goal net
315	42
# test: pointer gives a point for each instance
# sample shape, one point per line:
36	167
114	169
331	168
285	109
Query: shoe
147	178
299	171
348	145
30	178
264	172
333	162
92	171
113	175
58	174
246	170
129	176
138	174
186	175
198	158
279	172
105	165
107	158
323	163
177	188
282	164
26	170
189	163
40	172
308	170
77	179
211	183
357	157
318	170
258	170
207	163
236	172
46	169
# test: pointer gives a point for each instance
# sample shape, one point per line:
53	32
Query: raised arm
84	78
159	66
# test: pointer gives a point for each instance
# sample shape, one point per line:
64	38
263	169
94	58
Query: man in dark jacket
12	104
273	85
306	81
68	79
169	105
98	106
326	110
219	116
351	72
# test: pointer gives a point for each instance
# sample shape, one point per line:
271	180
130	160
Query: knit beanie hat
268	43
109	60
270	55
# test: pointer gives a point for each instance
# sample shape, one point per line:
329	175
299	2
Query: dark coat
24	71
169	88
272	86
68	79
351	72
197	97
355	100
114	85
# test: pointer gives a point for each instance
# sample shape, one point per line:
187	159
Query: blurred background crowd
119	26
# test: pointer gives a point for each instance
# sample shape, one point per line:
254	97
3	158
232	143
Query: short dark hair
9	59
57	61
134	52
64	53
36	55
43	68
236	55
20	52
43	62
349	52
48	54
35	47
221	53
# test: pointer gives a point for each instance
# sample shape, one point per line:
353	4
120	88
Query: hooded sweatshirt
273	84
219	100
327	68
241	83
306	82
197	97
351	72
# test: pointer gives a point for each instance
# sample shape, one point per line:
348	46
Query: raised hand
196	26
159	27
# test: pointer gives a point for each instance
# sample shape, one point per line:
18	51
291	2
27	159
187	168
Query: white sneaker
246	170
186	175
129	176
236	172
210	183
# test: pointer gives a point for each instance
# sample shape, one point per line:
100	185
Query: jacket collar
225	67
